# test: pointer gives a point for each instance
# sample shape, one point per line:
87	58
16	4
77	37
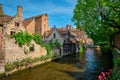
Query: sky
59	12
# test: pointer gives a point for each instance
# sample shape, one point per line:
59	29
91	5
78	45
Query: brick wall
41	24
38	22
30	28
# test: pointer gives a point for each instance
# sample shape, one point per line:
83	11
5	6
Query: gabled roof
48	32
73	40
62	31
26	22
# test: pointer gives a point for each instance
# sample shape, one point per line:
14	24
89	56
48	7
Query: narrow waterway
72	67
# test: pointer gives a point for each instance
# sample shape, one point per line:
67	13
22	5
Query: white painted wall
58	37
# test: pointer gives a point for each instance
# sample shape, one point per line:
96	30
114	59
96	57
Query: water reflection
72	67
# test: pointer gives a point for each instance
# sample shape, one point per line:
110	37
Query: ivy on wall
23	38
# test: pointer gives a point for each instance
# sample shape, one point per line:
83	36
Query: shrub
37	38
105	47
48	48
57	44
22	38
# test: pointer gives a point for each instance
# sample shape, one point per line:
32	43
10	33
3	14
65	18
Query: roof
48	32
26	22
62	31
4	18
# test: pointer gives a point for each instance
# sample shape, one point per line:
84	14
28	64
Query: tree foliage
99	18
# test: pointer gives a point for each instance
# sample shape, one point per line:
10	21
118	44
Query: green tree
99	18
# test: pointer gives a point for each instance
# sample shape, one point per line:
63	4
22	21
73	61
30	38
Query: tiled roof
73	40
62	31
4	18
27	21
48	33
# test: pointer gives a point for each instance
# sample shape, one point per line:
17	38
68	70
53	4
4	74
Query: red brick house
37	24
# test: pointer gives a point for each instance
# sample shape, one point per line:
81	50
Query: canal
72	67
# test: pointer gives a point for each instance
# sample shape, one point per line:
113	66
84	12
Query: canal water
85	66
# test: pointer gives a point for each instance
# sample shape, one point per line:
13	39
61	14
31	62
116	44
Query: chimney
19	11
1	10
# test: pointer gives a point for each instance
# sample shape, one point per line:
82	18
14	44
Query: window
17	24
31	48
54	35
12	32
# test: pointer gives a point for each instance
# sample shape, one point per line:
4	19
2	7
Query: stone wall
14	52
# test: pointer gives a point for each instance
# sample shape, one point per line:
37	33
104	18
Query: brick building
37	24
9	25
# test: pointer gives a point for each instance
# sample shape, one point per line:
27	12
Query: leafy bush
117	61
81	49
57	44
51	43
48	48
23	38
37	38
105	47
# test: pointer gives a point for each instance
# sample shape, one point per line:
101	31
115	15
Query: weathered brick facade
9	50
29	25
39	26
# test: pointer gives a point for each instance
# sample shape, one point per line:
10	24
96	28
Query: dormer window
17	24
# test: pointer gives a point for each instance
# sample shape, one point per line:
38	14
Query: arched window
54	35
